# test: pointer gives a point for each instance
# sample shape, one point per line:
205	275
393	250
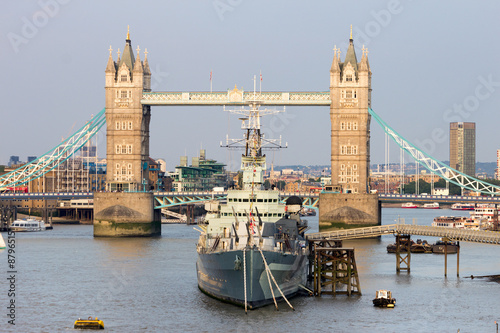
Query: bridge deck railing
466	235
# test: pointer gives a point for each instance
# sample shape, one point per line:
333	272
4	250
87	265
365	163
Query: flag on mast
210	80
260	87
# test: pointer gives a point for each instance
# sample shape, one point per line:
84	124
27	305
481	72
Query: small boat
409	205
383	298
462	206
29	224
440	247
391	248
93	324
421	246
434	205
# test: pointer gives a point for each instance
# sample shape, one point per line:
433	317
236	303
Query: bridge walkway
463	235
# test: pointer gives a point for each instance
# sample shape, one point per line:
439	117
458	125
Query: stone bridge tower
123	210
350	90
127	120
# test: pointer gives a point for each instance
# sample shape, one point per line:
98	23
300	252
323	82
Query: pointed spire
118	52
146	63
110	67
128	55
350	37
335	63
138	63
350	56
364	65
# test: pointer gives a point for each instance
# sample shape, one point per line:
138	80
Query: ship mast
253	161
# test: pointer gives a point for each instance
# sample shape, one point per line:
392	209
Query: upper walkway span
464	235
237	97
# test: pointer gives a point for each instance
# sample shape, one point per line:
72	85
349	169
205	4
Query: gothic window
129	149
117	127
124	149
355	125
348	77
349	126
354	150
118	149
348	94
130	165
342	126
342	166
355	167
123	94
124	125
129	125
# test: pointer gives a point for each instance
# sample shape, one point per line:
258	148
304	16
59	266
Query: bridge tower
350	90
350	93
127	206
127	120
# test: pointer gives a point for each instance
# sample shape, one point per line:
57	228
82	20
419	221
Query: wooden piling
335	271
403	254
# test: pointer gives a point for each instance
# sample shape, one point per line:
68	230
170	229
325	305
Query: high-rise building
497	170
463	147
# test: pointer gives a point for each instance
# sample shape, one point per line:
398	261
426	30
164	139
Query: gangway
464	235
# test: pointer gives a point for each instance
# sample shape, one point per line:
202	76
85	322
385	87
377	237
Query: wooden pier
333	268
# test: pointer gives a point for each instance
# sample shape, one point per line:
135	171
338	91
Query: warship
252	250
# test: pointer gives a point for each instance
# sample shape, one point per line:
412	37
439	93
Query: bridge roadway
167	199
463	235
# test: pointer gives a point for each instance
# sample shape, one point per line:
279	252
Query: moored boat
441	247
383	298
421	246
29	224
434	205
252	250
462	206
449	222
409	205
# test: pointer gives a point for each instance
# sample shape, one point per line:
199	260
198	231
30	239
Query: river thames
149	285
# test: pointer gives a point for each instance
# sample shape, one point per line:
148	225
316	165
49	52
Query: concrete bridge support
125	214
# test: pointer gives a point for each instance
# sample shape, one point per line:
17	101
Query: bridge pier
348	210
125	214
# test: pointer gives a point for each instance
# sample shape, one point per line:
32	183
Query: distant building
14	160
497	170
463	147
202	175
31	158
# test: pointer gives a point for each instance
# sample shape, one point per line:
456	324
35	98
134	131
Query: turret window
348	77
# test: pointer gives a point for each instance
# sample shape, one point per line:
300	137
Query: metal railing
464	235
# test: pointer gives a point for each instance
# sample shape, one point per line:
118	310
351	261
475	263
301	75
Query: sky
432	62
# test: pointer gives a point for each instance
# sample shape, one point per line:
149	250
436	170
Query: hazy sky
432	62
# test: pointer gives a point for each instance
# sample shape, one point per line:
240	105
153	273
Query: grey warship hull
222	275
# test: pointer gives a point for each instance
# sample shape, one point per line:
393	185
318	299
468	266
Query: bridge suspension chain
437	167
55	156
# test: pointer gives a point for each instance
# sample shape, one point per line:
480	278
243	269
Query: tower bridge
127	114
